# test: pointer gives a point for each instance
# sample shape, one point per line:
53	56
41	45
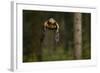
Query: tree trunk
77	35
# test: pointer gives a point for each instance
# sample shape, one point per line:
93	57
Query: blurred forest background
34	50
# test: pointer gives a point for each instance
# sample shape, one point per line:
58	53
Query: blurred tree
77	35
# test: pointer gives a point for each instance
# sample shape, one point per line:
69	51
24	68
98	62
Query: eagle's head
52	23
